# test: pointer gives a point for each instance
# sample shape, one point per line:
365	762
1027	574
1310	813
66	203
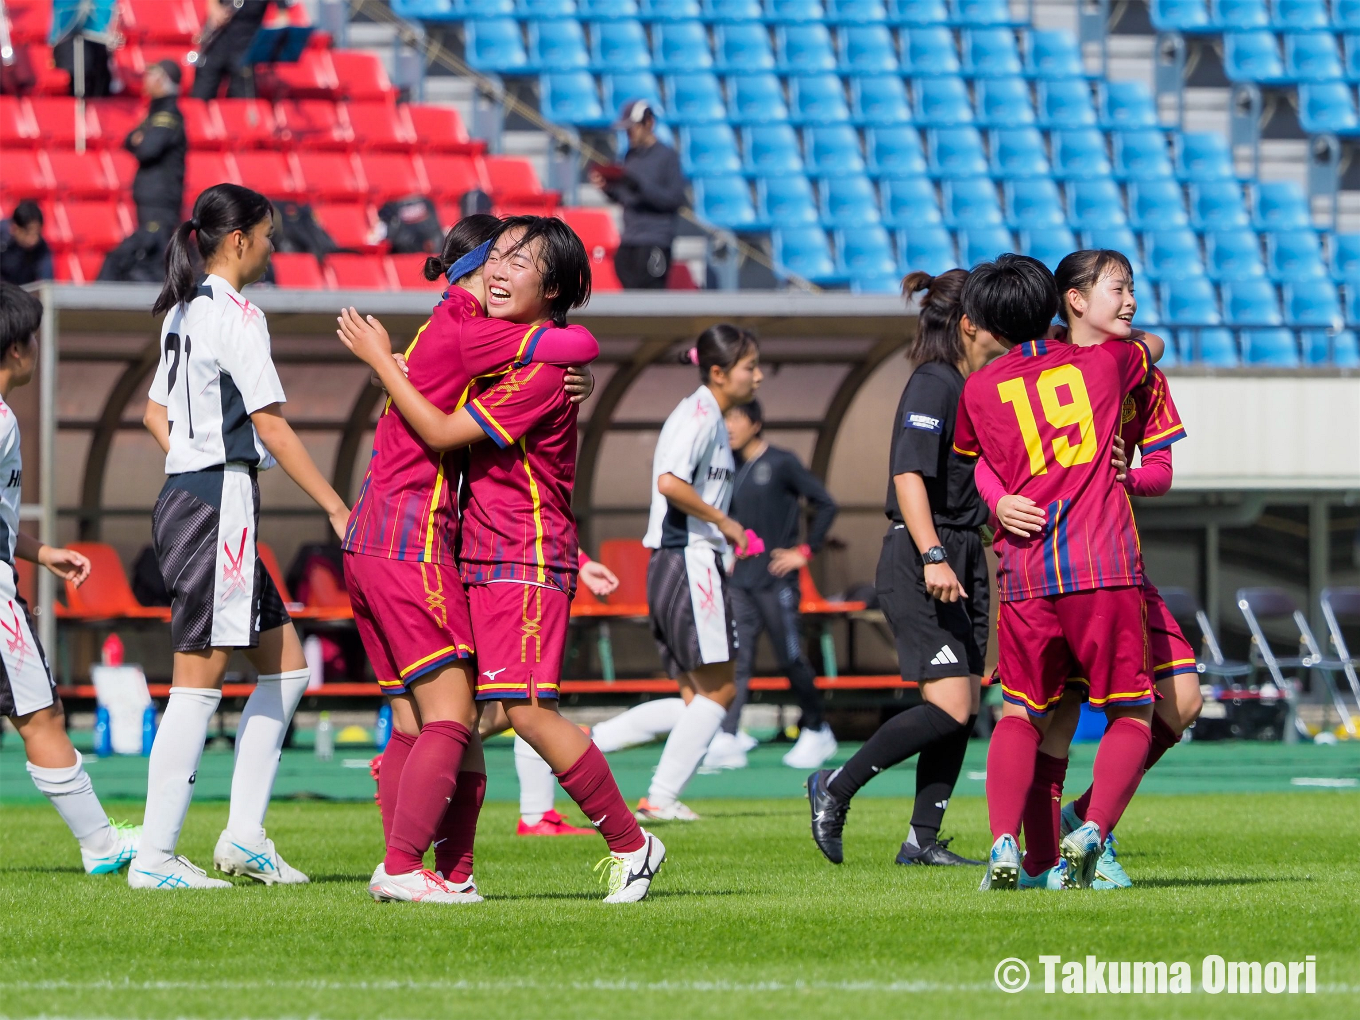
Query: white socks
70	791
686	747
172	769
259	744
641	724
537	784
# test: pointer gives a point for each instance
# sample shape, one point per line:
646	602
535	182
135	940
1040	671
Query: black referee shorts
935	639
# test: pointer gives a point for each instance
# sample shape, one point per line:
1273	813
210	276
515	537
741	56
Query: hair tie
693	355
193	224
470	262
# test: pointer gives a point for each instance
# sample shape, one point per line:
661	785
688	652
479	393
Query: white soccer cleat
127	836
259	861
176	873
746	742
725	752
672	812
423	886
466	889
813	748
630	875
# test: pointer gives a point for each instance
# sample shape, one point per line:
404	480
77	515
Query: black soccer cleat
933	853
828	815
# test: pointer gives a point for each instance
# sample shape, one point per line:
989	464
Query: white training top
693	446
11	484
215	371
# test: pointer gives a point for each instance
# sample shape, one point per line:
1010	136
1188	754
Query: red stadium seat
410	271
596	229
393	175
249	123
515	183
56	115
441	129
604	277
379	125
29	22
28	174
362	272
312	77
335	175
124	168
18	127
98	224
160	21
204	169
315	124
361	75
452	177
117	118
350	224
275	175
50	79
66	269
57	227
298	269
203	126
90	263
83	174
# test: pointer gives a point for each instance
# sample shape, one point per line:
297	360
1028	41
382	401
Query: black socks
897	740
937	770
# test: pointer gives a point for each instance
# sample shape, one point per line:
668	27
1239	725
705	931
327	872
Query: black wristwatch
935	554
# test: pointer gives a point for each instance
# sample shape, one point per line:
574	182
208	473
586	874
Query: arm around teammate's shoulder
281	441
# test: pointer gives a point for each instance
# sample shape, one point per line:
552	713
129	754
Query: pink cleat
552	824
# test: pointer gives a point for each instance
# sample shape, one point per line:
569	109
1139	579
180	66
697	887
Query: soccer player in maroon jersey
518	550
1045	415
1098	304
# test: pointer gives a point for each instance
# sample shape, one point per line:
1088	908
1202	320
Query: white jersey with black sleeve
694	447
11	485
215	371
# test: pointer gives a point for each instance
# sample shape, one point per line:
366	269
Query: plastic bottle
382	733
112	652
325	738
148	730
103	736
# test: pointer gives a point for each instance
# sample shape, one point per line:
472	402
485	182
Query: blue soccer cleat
1003	867
1054	879
1110	873
1068	821
1081	850
124	849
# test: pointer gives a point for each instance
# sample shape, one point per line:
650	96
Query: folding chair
1184	606
1258	604
1342	602
811	603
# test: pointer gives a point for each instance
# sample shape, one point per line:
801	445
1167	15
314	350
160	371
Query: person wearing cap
159	143
650	186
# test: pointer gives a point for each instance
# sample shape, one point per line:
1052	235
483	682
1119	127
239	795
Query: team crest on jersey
1129	411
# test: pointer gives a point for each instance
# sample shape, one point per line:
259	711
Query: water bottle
111	654
148	730
383	731
325	738
103	736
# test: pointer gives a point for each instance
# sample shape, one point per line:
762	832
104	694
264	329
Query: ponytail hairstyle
463	237
218	213
937	326
753	413
1082	270
722	345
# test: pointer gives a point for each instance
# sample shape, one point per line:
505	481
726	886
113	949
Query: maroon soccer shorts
1170	653
412	617
521	632
1100	634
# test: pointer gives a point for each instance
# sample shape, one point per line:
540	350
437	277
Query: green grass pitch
746	919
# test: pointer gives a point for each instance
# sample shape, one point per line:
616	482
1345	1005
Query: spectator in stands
24	255
86	24
229	29
159	143
651	188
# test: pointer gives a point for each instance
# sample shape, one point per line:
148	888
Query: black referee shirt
766	497
923	438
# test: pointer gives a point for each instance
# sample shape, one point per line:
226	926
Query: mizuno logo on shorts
491	674
944	657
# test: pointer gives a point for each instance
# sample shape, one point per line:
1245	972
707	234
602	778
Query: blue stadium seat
941	102
793	12
1147	318
570	97
545	9
1276	348
729	11
1141	154
831	150
1079	153
1180	15
1236	15
805	252
1203	156
1249	303
1156	205
1190	300
970	202
1215	347
668	10
680	47
742	48
848	201
1311	56
1346	14
1053	53
856	12
756	99
1299	15
879	99
694	99
620	88
787	201
1323	347
866	254
909	202
619	45
709	150
1327	106
1350	55
1019	152
1095	205
1233	254
1252	57
980	244
956	152
894	152
980	13
427	10
913	13
1217	206
1120	239
606	10
1065	103
558	45
866	49
1050	245
887	283
929	51
1281	205
1033	203
1345	257
1125	105
803	49
990	53
1295	256
928	247
1003	102
1315	303
725	202
1171	254
817	99
495	46
771	150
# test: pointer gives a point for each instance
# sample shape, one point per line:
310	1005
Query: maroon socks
1118	770
590	783
394	757
453	840
1042	808
1010	773
426	790
1164	738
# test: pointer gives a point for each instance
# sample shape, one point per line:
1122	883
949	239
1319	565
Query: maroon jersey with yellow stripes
1045	416
1149	419
517	519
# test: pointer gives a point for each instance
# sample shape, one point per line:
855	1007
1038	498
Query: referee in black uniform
932	583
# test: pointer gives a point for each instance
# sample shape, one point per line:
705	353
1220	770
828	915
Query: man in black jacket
159	143
24	254
650	186
767	497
